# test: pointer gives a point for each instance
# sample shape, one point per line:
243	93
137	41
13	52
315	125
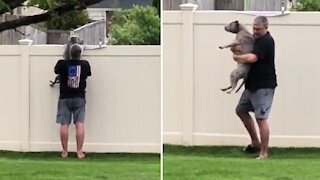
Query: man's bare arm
245	58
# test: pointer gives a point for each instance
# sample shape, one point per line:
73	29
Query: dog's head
75	39
233	27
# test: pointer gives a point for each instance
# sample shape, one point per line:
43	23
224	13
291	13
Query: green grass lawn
211	163
49	166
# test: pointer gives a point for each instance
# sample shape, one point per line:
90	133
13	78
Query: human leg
262	102
243	108
79	116
80	139
64	139
64	119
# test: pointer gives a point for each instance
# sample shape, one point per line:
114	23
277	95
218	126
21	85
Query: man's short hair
75	51
263	20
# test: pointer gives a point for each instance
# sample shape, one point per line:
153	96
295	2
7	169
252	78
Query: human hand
234	56
238	58
236	49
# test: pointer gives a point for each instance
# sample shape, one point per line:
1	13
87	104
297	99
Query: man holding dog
72	74
259	87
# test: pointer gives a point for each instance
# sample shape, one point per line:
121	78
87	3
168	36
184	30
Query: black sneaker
251	149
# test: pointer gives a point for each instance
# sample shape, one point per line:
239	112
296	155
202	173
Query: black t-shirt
72	75
262	73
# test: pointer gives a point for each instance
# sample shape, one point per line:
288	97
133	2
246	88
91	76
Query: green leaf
3	5
307	5
50	4
136	26
69	20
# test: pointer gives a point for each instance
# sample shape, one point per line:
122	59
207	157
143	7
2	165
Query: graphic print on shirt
74	72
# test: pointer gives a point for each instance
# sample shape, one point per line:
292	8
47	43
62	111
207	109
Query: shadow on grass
236	151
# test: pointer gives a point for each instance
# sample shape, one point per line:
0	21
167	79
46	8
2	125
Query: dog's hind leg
240	86
227	88
234	78
231	83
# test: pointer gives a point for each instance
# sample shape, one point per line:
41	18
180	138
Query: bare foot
262	157
80	155
64	154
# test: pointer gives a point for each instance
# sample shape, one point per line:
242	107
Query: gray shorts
259	102
71	107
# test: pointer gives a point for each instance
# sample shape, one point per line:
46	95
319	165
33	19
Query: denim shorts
259	102
69	108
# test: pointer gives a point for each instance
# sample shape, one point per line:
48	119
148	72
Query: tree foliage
307	5
136	26
53	8
156	4
68	21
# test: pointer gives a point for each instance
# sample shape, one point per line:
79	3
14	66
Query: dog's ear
237	25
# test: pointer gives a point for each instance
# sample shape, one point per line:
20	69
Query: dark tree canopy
52	7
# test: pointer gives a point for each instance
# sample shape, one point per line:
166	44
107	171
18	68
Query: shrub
307	5
136	26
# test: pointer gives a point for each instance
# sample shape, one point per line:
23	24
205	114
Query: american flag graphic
74	76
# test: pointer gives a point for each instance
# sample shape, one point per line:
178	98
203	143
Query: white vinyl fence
123	99
197	112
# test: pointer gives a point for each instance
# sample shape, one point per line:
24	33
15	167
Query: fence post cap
188	6
25	41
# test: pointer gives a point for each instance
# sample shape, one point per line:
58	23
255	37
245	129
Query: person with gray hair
259	86
72	74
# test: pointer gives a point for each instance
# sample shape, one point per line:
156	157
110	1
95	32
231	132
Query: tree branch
45	16
24	21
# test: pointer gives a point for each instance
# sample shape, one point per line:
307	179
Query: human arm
57	67
92	47
245	58
88	68
260	50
